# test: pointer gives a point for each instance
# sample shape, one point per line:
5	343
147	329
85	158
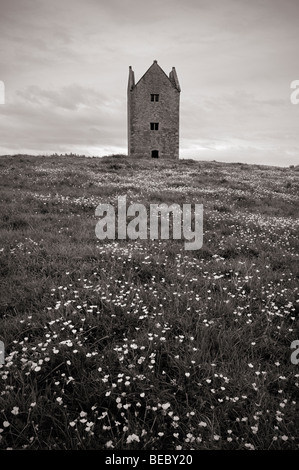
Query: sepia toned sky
65	66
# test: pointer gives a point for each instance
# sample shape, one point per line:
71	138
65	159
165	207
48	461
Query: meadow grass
123	344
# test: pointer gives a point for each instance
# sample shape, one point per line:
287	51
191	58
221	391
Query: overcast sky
65	67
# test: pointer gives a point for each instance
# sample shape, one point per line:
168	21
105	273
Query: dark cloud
65	67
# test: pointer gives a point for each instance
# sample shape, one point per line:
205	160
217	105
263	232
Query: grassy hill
140	344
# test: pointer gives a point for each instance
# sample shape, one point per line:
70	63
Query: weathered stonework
153	102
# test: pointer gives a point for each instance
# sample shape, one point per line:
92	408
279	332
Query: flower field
139	344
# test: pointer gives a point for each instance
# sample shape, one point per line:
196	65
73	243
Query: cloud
65	68
73	115
71	97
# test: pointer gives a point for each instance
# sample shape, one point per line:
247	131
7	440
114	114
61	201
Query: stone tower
153	114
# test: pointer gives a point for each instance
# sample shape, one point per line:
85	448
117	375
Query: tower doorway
155	153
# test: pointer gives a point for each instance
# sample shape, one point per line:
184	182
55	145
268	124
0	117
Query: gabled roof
173	79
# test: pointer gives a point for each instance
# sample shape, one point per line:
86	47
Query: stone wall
142	111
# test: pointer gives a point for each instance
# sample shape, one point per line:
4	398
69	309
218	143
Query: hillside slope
140	344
